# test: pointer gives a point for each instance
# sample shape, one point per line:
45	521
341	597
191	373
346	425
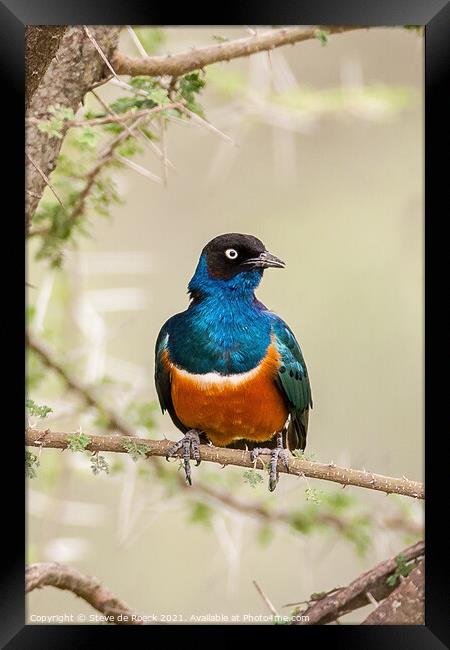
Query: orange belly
246	405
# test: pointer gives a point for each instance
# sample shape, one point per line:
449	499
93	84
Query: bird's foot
279	453
190	444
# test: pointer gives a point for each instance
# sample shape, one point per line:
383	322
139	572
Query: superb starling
229	370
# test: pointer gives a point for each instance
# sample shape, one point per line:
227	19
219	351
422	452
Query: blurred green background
327	170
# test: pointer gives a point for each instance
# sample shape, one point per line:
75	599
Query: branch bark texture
405	605
41	45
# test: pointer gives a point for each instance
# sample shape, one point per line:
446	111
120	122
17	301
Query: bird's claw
279	453
190	444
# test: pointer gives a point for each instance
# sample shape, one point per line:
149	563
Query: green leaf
99	463
338	501
322	36
159	96
265	534
298	453
53	128
252	477
37	411
88	138
200	514
114	127
129	147
31	464
77	441
403	569
318	595
155	91
301	521
191	85
135	449
314	495
126	104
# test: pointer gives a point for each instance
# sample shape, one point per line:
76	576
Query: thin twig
47	182
115	81
136	41
201	122
371	599
155	148
112	118
119	118
266	599
99	50
162	127
100	83
139	169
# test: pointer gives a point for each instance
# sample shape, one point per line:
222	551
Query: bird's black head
233	253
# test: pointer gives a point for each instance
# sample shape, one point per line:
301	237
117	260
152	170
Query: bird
228	370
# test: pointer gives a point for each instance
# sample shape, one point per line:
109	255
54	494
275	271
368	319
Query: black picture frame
434	15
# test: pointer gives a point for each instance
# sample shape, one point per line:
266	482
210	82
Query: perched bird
229	370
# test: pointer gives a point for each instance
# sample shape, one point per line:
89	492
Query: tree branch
85	392
179	64
262	512
117	118
88	588
69	76
346	599
224	456
405	605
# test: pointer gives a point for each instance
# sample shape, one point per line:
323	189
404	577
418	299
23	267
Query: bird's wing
293	381
163	378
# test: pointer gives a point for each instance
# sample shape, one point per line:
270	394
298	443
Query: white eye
231	253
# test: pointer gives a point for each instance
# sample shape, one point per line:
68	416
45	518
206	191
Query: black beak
266	260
